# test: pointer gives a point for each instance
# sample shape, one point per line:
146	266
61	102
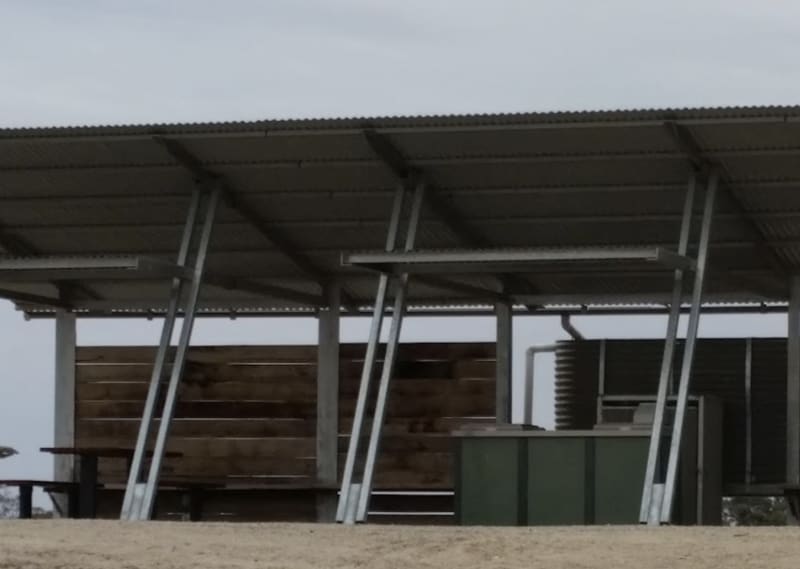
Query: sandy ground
91	544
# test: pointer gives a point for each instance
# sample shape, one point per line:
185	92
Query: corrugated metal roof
604	178
417	121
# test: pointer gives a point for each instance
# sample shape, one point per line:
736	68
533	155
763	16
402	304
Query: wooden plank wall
246	414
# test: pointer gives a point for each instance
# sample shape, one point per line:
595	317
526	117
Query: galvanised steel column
748	405
688	350
369	361
503	377
653	465
64	404
388	361
189	311
793	386
328	403
133	492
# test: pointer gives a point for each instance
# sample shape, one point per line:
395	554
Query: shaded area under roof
301	193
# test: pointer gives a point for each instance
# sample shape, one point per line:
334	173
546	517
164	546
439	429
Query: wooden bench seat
50	486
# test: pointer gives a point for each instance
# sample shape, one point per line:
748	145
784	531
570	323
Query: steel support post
189	312
793	387
328	403
388	362
748	406
345	501
133	489
64	404
503	376
601	380
139	497
664	379
688	351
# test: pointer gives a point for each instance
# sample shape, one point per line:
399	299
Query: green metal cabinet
549	478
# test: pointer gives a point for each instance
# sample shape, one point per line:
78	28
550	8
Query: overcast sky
103	62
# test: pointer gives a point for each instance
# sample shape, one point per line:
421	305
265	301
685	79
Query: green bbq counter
536	477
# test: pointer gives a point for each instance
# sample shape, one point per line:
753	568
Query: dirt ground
91	544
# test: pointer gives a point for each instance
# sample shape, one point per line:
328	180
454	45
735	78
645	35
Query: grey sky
102	62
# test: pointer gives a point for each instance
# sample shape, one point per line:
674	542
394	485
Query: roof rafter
473	292
464	231
36	299
19	247
688	144
273	291
276	237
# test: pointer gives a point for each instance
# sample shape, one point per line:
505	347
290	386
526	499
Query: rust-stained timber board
281	390
286	354
349	371
88	430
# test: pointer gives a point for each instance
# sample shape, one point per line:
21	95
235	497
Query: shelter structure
544	213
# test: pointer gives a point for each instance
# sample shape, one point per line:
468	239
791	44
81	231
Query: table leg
25	501
87	494
73	501
196	496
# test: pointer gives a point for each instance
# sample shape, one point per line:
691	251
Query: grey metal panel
632	368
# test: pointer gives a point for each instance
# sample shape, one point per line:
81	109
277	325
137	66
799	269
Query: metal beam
418	163
350	491
651	490
232	199
464	231
389	359
688	144
239	309
509	260
676	440
104	199
28	298
19	247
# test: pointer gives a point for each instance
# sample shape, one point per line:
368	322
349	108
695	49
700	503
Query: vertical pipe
64	409
601	380
667	358
689	348
505	334
793	386
369	360
530	369
328	403
180	355
748	405
392	345
158	373
527	392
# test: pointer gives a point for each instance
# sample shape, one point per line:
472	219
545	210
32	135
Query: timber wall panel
247	413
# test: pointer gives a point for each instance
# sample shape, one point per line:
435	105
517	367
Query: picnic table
88	470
